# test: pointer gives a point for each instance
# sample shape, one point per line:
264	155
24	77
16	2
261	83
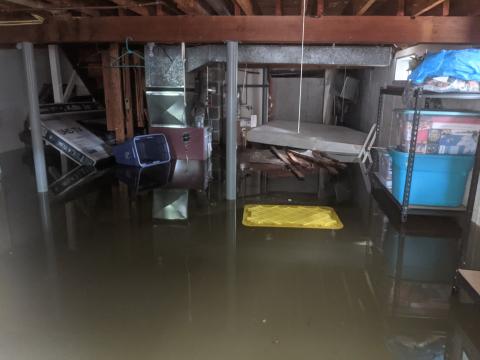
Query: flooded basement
158	266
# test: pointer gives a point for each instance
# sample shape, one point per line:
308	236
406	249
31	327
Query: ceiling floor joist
252	29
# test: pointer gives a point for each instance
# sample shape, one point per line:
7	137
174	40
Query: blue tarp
458	64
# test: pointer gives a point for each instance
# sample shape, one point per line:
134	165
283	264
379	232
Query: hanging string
301	66
343	91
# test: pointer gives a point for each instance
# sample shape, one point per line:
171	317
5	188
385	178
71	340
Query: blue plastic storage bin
438	180
143	151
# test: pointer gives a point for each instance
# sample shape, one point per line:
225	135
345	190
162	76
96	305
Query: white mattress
326	138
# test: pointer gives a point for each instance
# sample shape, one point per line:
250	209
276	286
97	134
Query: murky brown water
103	273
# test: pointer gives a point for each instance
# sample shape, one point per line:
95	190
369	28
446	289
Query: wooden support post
112	84
139	93
127	98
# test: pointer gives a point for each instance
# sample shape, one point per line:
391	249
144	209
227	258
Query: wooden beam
112	85
251	29
132	5
423	6
320	7
278	8
246	6
361	6
191	7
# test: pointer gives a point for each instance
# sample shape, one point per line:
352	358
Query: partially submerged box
75	141
440	132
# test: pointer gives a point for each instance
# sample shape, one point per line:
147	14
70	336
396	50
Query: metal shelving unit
419	98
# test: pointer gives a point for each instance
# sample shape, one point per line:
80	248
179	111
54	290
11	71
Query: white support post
231	133
34	116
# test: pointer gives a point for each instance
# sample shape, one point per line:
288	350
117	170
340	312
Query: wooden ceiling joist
251	29
132	6
420	7
191	7
362	6
246	6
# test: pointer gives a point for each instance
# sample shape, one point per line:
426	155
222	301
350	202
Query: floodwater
131	265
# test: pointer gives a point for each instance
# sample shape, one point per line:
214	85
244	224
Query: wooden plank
132	6
423	6
320	7
362	6
278	8
127	98
112	85
251	29
246	6
288	164
191	7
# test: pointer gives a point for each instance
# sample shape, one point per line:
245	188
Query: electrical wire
301	67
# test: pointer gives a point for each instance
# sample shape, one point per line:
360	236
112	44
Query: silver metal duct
164	63
164	70
341	56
